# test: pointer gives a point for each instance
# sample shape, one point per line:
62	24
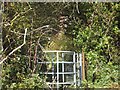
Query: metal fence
62	68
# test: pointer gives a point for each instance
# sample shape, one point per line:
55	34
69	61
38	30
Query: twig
35	59
18	15
77	8
15	48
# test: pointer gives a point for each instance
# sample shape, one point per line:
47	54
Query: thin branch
35	59
22	13
77	8
15	48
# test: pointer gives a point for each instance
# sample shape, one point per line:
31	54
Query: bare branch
15	48
77	7
18	15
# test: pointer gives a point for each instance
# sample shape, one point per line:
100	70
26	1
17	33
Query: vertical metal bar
52	70
57	71
74	69
63	67
80	68
78	82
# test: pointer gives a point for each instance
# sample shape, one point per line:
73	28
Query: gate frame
76	61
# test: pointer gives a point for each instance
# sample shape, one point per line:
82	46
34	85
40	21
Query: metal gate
62	68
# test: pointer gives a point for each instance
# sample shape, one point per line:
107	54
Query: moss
60	41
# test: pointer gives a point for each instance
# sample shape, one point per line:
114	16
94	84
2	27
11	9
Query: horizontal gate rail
61	83
57	62
59	51
56	73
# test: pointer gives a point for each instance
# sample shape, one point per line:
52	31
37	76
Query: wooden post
83	65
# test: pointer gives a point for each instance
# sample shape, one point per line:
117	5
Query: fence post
83	65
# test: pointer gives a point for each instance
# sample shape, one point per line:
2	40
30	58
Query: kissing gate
62	68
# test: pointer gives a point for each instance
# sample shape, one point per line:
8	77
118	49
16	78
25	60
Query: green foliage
97	40
33	82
